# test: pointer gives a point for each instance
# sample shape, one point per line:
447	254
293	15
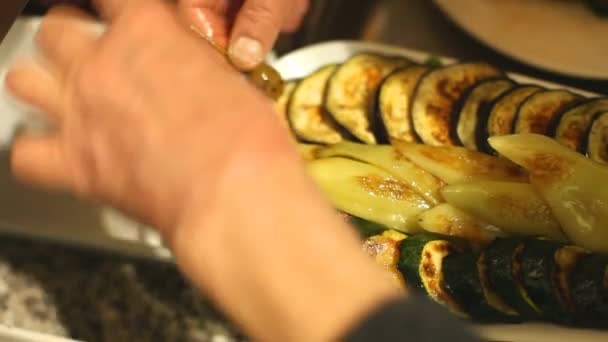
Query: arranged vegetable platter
482	189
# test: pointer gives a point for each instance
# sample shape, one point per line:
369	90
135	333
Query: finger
66	35
39	161
209	18
32	83
255	31
110	9
294	21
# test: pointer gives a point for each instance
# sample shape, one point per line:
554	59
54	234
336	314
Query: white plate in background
562	36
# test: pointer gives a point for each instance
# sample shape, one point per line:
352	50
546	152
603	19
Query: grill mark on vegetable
473	161
548	167
517	275
387	187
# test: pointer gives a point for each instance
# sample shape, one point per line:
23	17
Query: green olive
264	77
267	79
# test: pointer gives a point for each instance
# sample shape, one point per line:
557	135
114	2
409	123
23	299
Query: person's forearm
284	270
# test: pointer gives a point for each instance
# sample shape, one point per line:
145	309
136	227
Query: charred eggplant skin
470	110
393	102
351	90
537	111
596	142
436	95
306	115
501	114
571	126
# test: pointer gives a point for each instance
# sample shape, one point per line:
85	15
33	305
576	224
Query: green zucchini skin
589	287
503	258
411	256
422	263
462	280
538	268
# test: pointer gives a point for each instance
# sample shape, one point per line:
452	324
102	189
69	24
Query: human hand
249	27
148	72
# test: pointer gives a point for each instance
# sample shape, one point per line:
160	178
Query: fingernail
246	52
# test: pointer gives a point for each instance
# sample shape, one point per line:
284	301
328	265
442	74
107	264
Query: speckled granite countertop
93	297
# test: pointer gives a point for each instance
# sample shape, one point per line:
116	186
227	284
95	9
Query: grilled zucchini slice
306	114
368	192
502	113
538	267
352	89
436	95
596	146
571	126
503	262
462	281
394	103
537	111
384	248
566	259
421	263
589	283
470	114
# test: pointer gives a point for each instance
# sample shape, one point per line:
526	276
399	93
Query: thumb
255	31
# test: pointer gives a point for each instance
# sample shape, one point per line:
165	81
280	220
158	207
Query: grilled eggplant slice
571	126
392	161
384	249
517	208
351	91
436	95
283	101
457	164
368	192
421	262
596	146
537	111
306	114
589	282
470	114
569	184
395	100
503	264
502	113
447	220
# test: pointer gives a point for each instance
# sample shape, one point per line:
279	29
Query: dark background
416	24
